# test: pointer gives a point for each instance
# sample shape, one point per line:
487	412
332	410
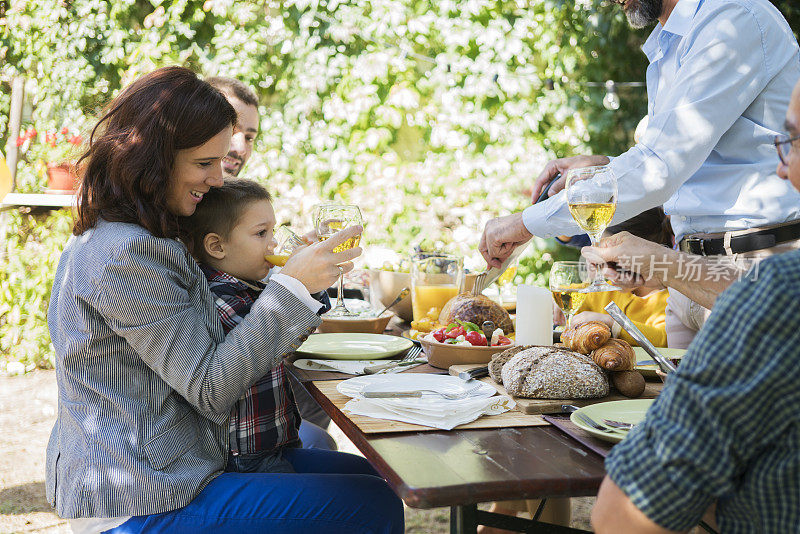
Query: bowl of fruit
462	342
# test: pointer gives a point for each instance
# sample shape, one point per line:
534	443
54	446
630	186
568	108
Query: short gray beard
645	13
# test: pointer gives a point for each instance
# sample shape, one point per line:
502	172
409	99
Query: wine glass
288	243
592	201
568	282
329	219
504	282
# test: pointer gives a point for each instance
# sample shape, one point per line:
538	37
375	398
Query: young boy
229	235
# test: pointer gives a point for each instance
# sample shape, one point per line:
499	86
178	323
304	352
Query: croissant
586	337
615	355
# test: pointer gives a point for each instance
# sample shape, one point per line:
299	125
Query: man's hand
562	165
317	266
501	236
631	261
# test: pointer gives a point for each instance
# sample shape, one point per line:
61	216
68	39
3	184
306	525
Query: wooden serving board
370	425
540	406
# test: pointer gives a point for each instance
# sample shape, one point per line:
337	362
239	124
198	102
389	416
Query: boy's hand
317	267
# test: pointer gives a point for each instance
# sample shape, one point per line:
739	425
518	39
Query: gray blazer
146	377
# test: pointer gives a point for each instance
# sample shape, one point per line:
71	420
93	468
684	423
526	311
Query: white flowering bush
432	115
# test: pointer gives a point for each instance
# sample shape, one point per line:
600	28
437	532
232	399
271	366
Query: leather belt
751	241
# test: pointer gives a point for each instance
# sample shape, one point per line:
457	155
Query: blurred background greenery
433	116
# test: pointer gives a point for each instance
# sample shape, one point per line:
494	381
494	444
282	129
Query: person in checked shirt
724	435
229	234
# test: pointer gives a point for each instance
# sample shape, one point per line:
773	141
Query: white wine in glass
592	202
568	282
329	219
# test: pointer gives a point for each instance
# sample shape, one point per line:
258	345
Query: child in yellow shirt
644	306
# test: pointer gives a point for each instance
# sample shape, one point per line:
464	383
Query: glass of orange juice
435	279
288	243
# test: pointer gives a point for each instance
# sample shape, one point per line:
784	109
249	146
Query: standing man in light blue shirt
720	76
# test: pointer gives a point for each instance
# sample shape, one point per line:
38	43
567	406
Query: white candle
534	316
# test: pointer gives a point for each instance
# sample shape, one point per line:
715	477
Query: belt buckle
690	240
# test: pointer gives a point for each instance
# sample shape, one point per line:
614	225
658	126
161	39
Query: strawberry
503	340
476	339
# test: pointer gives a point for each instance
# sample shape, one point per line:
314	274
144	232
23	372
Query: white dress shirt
719	82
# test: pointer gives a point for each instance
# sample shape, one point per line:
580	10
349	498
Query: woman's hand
317	266
587	316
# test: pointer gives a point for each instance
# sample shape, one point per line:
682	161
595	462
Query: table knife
391	394
478	372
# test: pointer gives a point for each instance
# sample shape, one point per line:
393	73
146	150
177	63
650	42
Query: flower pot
61	178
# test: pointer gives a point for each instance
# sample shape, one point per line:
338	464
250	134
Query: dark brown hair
651	224
236	88
128	167
219	212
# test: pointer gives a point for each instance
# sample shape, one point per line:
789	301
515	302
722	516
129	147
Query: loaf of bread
549	373
615	355
586	337
499	359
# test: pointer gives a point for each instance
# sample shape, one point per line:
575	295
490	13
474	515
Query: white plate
355	387
353	346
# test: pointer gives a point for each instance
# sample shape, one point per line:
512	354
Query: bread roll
586	337
629	383
615	355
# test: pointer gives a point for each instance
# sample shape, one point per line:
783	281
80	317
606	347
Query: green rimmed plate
645	363
625	411
353	346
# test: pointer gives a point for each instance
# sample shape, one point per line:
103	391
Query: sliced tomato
476	339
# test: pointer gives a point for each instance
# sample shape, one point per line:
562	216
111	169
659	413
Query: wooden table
462	468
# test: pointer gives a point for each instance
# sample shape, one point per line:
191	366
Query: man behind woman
147	376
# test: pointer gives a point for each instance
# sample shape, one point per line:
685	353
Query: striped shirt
146	376
266	416
726	427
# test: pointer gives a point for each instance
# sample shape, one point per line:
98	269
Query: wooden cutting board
540	406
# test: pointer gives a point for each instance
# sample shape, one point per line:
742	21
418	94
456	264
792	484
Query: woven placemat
370	425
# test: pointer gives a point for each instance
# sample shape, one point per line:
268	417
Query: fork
418	393
408	359
597	426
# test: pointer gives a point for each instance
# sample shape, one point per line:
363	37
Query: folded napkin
444	414
351	367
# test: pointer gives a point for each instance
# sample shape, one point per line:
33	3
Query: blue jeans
331	493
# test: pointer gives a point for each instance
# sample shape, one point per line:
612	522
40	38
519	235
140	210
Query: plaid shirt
727	425
265	417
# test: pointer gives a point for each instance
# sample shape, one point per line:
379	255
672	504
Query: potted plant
56	152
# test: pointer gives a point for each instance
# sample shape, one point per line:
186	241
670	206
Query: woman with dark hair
146	376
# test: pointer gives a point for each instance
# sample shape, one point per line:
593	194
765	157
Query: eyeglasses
781	140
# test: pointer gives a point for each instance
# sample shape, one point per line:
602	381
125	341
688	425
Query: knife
391	394
494	273
478	372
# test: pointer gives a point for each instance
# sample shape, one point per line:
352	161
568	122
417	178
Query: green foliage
351	108
31	249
